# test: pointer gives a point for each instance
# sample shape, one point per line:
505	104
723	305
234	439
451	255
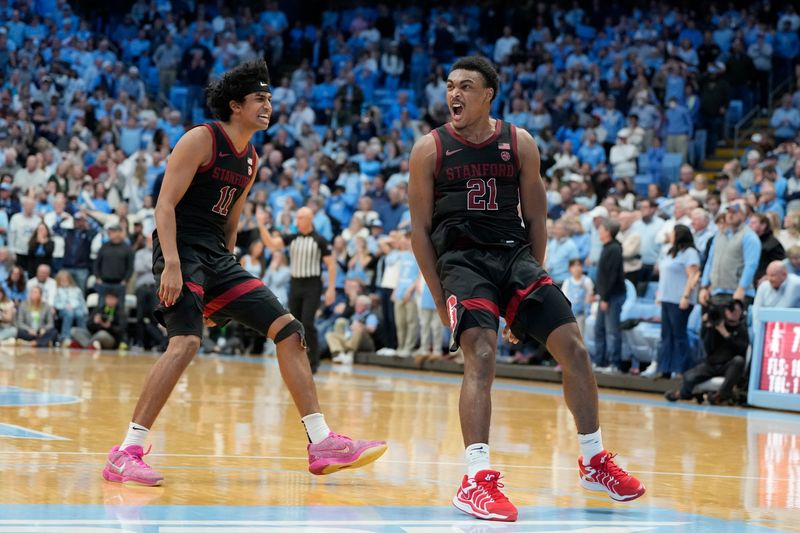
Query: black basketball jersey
216	186
476	190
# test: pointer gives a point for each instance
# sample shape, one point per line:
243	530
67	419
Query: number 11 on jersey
476	200
226	195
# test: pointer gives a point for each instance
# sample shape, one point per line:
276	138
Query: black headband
256	86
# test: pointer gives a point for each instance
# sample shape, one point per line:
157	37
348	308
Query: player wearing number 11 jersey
480	259
206	183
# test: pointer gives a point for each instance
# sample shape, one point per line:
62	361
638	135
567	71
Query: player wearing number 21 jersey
470	180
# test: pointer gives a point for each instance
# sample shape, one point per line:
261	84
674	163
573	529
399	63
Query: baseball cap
115	227
599	211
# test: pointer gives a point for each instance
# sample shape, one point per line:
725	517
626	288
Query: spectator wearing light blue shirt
560	251
518	115
591	152
678	272
779	289
732	259
678	128
612	119
404	298
785	120
787	47
648	227
3	228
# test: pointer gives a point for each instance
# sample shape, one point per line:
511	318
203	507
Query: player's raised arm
532	194
271	242
189	154
420	202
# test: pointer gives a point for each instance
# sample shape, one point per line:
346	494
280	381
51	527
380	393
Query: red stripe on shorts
230	295
521	294
195	288
481	304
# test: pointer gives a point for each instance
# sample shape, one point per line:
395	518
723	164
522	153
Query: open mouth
457	109
264	116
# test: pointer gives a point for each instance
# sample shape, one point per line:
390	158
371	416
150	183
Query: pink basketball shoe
337	452
127	466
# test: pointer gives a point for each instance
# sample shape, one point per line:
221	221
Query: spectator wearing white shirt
623	157
284	94
565	159
505	45
20	229
302	114
702	230
30	177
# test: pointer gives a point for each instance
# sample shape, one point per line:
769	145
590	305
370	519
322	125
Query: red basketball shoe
481	497
603	474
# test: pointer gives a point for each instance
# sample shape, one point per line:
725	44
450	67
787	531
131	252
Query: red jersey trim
438	141
210	164
514	150
255	163
230	142
462	140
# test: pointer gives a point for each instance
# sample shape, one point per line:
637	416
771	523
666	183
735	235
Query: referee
307	250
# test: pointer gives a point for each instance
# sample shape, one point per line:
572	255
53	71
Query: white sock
136	435
316	428
477	456
591	445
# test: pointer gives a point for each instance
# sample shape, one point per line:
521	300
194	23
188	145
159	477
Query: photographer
725	341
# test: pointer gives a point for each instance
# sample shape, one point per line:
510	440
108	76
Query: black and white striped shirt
306	253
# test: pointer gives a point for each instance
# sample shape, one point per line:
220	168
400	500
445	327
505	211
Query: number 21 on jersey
226	195
477	195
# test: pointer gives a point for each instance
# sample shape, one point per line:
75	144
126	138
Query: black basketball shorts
215	287
492	281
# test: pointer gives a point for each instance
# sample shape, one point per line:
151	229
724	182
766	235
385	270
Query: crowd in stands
624	103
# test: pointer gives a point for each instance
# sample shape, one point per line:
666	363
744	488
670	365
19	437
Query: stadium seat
177	96
735	112
643	164
640	184
698	147
670	169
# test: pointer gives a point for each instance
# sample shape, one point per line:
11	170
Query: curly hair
234	85
483	67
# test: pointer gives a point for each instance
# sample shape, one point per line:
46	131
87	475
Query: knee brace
288	329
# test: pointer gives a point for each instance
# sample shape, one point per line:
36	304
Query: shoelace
138	458
493	488
611	467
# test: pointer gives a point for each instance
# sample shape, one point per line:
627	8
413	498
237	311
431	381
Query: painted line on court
393	461
13	431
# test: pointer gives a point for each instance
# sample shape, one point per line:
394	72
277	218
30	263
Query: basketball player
481	260
207	181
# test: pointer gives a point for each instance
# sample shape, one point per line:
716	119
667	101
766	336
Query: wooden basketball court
232	449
